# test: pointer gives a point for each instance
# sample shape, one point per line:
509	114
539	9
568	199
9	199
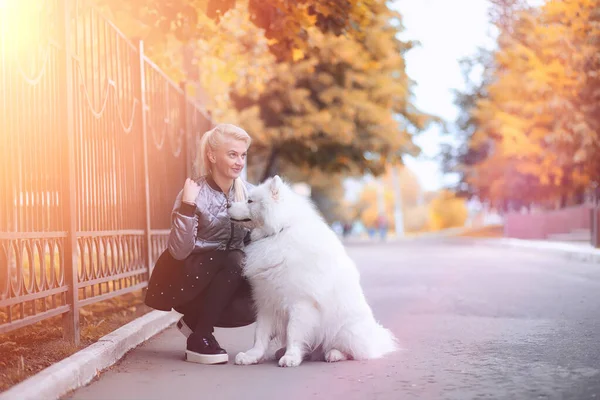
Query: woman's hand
190	191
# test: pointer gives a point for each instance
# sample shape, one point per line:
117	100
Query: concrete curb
578	252
80	368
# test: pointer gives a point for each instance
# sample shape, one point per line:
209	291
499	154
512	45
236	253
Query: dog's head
263	205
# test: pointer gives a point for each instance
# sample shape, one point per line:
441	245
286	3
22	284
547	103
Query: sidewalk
579	251
572	250
81	368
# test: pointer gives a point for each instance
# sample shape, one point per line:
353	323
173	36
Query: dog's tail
382	341
368	340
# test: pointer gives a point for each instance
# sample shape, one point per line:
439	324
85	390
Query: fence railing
94	146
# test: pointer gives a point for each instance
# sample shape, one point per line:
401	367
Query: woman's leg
202	346
219	293
189	310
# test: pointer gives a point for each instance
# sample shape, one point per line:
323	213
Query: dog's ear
274	186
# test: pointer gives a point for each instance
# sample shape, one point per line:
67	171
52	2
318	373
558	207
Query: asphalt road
474	323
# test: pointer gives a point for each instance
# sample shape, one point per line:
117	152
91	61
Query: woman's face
229	158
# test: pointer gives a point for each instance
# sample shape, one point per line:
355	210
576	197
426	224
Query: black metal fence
93	150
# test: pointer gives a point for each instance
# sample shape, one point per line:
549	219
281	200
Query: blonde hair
213	139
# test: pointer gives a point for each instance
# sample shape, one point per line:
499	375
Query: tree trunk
579	196
271	167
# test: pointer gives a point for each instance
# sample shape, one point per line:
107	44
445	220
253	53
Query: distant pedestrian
382	226
347	229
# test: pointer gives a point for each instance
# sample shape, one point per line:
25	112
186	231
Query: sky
447	31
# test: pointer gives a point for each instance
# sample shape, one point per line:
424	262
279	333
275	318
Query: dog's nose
228	205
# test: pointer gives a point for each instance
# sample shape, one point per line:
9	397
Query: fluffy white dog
306	288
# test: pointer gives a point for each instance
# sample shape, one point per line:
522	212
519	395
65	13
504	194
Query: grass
29	350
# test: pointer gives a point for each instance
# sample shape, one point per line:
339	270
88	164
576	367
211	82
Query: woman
199	275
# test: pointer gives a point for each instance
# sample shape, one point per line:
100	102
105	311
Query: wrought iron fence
94	146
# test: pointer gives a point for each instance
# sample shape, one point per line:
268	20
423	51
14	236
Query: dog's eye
249	201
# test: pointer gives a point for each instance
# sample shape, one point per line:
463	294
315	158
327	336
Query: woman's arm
184	224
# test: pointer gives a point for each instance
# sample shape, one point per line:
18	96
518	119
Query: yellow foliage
416	219
235	57
531	115
415	212
284	71
444	211
297	54
343	95
447	211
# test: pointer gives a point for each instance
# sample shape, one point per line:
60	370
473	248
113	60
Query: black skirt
174	283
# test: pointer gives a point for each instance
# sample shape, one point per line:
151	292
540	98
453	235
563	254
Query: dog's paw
245	359
290	361
334	355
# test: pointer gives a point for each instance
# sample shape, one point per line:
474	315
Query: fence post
186	126
595	226
69	195
141	93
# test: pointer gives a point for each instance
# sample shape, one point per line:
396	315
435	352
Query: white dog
306	288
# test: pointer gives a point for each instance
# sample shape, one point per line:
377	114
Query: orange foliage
532	117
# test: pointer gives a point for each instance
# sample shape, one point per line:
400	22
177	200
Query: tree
447	211
460	159
590	92
336	109
285	23
410	187
342	103
414	208
528	137
367	207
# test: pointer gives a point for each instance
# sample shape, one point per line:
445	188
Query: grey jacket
205	226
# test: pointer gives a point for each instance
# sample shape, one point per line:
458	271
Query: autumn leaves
317	84
533	124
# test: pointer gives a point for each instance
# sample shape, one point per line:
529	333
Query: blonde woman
199	275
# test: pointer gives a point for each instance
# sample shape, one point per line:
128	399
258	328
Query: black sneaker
213	340
204	349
